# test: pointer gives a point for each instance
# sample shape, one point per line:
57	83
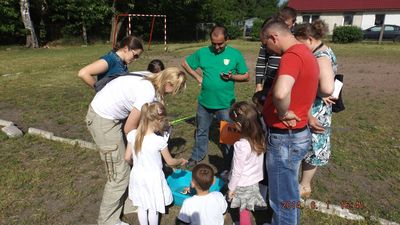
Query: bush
347	34
234	31
255	32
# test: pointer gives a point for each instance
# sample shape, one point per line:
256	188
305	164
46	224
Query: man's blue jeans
204	118
284	155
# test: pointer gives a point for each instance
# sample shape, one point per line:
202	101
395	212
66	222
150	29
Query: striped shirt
266	68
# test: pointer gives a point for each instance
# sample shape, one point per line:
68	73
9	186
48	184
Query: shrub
347	34
255	32
234	31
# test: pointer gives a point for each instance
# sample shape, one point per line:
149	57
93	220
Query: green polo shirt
217	93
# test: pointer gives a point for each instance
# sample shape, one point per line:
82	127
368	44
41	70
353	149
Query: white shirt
149	156
247	166
117	99
204	210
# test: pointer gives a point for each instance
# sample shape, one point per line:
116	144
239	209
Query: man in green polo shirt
221	67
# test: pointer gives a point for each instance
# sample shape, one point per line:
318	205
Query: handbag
339	106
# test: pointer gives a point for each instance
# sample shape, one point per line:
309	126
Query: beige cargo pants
108	136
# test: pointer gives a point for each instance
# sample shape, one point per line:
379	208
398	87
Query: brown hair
203	175
318	29
131	42
155	66
247	116
287	13
151	114
172	75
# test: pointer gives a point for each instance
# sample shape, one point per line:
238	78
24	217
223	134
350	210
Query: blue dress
321	145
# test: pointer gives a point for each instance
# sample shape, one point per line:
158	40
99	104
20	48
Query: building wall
390	18
363	20
357	19
333	20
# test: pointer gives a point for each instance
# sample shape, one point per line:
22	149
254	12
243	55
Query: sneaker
122	223
224	175
191	163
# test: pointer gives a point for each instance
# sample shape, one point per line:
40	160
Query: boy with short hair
205	207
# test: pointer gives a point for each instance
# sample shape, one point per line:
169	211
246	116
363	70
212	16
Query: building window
379	19
309	18
348	19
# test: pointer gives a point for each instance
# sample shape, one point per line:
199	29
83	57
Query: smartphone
225	75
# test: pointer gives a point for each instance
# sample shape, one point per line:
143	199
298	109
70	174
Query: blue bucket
180	179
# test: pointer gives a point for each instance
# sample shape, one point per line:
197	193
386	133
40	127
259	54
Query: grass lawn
46	182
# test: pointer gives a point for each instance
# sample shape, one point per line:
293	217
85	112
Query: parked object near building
390	32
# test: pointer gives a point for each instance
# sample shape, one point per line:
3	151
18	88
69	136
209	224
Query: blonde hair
171	75
151	114
247	116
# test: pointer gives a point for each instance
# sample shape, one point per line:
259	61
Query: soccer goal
130	25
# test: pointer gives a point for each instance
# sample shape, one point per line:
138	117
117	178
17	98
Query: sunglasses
135	55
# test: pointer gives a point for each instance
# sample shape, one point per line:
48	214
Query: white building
361	13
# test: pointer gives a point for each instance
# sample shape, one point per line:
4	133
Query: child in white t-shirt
148	188
204	208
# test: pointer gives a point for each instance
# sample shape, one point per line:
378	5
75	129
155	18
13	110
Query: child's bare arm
128	154
170	160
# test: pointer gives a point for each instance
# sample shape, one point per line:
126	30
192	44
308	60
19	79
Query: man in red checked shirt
286	115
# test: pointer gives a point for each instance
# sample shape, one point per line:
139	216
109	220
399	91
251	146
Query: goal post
129	27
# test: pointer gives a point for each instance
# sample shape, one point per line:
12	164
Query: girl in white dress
148	187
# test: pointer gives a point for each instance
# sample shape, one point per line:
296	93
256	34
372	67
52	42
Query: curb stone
12	131
5	123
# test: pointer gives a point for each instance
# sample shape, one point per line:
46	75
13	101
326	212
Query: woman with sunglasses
114	62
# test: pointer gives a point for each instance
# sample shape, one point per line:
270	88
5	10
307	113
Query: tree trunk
84	34
31	39
112	22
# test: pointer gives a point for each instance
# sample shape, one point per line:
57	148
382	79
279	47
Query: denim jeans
284	155
204	117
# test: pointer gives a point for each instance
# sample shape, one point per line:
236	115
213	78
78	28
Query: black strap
319	46
100	84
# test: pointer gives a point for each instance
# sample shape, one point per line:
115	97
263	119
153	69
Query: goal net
131	24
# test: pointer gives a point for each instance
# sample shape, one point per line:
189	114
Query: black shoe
191	163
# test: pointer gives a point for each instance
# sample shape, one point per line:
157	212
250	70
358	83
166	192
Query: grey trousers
108	136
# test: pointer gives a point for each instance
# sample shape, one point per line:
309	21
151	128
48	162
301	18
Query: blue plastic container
180	179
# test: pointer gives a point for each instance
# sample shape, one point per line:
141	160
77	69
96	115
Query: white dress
148	187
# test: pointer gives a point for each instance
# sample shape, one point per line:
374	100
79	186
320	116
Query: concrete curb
5	123
50	136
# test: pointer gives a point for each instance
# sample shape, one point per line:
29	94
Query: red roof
344	5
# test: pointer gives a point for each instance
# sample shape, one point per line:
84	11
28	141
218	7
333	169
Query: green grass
46	182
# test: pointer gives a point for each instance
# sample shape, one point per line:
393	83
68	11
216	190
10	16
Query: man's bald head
217	31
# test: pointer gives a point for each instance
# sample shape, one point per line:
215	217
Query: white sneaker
122	223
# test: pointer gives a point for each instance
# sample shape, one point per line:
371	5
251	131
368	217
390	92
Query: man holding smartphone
221	66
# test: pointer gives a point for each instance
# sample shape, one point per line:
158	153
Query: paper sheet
338	87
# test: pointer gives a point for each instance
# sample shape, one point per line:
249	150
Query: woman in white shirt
122	98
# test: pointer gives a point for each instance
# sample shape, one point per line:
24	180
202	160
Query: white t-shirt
119	96
204	210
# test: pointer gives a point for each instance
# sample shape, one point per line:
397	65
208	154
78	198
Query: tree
31	38
11	28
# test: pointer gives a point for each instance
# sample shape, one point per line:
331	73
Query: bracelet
283	116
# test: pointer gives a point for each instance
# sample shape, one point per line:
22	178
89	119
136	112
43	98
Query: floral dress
321	145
